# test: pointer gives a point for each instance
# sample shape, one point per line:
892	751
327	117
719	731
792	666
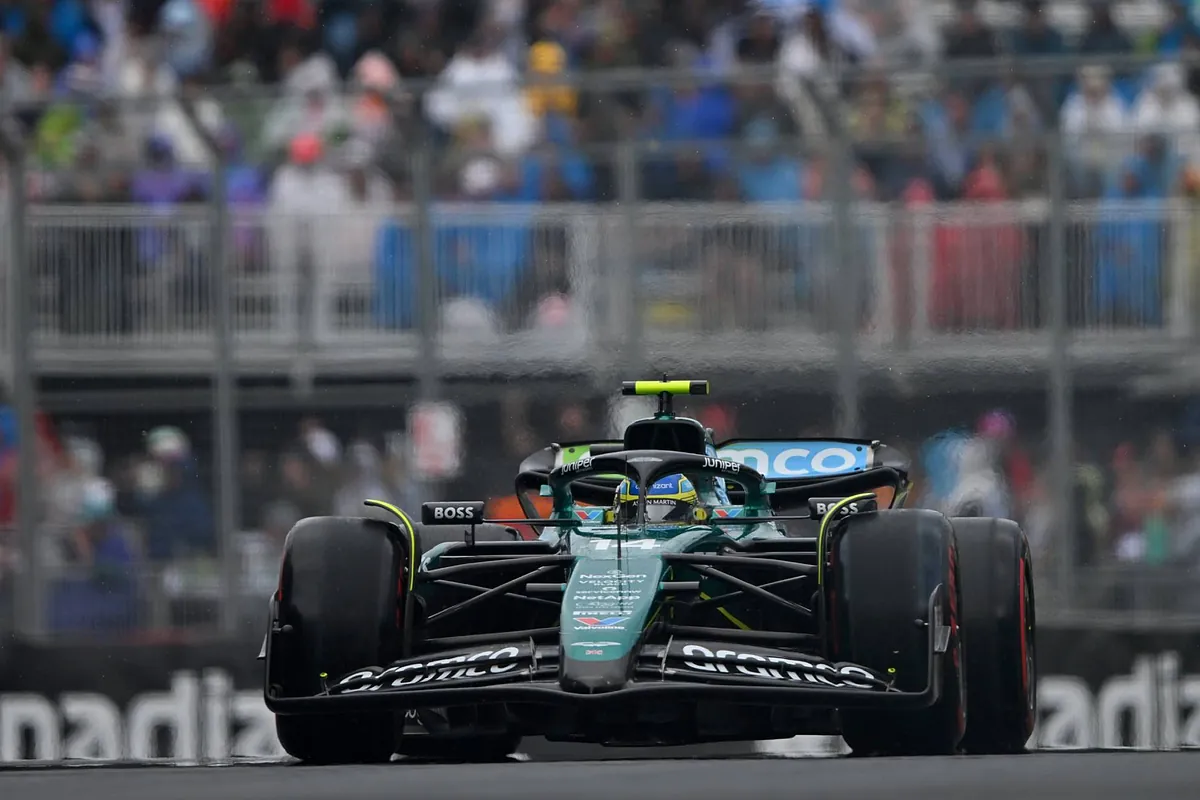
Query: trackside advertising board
171	703
1098	689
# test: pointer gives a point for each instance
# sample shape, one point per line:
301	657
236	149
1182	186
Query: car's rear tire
341	585
998	613
885	567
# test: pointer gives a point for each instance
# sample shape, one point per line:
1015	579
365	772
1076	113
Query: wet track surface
1086	776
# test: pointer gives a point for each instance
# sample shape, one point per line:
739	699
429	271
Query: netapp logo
197	718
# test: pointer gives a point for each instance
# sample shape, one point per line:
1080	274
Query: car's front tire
341	586
884	570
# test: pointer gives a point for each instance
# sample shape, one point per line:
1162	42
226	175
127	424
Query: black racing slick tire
998	613
341	585
884	569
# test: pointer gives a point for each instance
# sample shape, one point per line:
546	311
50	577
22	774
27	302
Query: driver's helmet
670	499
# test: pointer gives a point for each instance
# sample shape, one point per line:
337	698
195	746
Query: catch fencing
839	293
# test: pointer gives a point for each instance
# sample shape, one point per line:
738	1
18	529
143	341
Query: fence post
631	354
31	597
427	294
1059	411
850	289
224	386
845	259
429	372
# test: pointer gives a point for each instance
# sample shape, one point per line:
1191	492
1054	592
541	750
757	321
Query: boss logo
820	506
454	512
722	464
449	513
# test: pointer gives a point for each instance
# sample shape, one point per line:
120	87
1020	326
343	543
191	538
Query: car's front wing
688	671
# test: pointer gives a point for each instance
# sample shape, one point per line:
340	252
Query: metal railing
115	289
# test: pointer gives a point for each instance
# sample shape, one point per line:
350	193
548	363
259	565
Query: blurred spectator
1130	240
481	81
187	36
1132	503
39	39
1007	111
82	462
998	428
1180	29
810	51
310	104
907	33
1104	38
379	95
303	201
348	261
171	500
760	42
1036	36
1095	129
768	172
546	60
1165	107
970	39
84	76
950	140
980	490
102	594
977	271
878	113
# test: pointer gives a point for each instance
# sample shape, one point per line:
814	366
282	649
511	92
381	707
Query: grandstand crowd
315	101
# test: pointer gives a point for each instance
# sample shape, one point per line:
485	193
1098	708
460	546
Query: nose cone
595	677
605	608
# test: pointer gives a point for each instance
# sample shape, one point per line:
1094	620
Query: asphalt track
1062	776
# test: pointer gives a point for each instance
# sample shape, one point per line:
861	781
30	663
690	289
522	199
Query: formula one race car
680	592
